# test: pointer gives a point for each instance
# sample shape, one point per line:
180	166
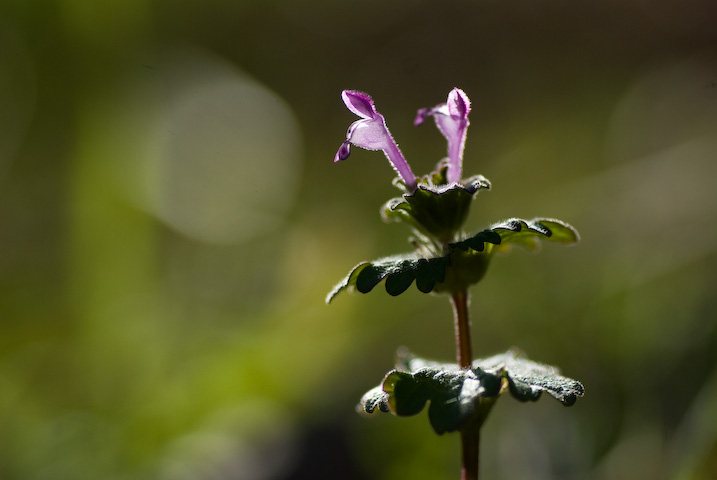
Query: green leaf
347	282
456	396
561	231
460	396
525	233
375	398
477	242
467	268
399	271
464	264
528	379
529	233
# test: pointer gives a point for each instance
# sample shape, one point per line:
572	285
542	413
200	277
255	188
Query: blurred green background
171	220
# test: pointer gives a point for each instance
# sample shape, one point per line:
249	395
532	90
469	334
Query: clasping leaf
459	396
462	264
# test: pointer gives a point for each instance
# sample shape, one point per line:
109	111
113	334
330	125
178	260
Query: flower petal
422	115
452	121
343	152
459	104
372	133
359	103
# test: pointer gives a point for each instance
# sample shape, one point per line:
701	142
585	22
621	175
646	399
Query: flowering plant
448	261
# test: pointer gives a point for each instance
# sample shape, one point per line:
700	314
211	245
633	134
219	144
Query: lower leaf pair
460	396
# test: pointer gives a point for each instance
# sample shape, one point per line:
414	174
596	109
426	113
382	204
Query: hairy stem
470	435
463	332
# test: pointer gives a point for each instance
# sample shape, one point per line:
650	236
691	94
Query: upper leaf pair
462	264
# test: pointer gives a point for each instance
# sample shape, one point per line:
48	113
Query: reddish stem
470	435
463	333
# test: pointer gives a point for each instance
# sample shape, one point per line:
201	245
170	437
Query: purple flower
452	120
371	133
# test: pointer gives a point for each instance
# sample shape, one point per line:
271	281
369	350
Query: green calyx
436	209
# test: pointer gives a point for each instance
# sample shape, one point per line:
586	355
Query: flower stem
470	434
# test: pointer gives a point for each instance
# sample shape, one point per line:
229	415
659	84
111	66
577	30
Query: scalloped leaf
399	271
464	264
477	242
455	395
525	233
527	379
458	396
374	398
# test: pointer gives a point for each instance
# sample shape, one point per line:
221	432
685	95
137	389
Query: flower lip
359	103
344	152
421	115
459	105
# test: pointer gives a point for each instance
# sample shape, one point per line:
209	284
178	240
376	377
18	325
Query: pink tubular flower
452	120
371	133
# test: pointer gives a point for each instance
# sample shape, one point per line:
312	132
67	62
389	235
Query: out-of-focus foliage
171	219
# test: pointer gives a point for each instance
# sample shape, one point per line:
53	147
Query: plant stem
470	443
463	333
470	435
